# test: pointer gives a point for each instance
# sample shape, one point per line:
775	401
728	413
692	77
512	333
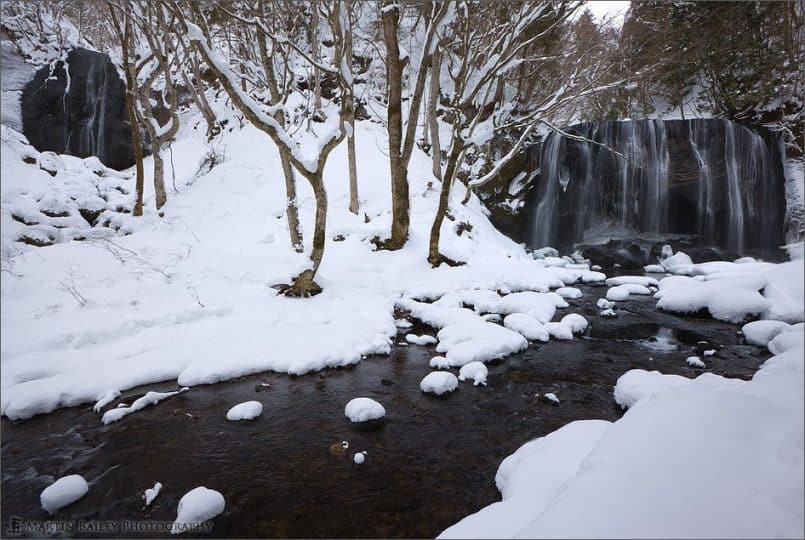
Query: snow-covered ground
189	296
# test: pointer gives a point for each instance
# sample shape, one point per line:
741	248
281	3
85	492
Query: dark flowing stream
432	461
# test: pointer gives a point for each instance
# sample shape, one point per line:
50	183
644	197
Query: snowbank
708	457
362	409
189	297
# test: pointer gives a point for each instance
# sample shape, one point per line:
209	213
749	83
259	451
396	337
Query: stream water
432	461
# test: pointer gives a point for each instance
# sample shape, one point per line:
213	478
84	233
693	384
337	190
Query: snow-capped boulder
476	371
439	382
195	507
248	410
64	491
363	409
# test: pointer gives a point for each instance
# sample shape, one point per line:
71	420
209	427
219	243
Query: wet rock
88	118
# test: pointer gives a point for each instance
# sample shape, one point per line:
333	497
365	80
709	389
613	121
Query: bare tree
309	163
487	42
156	25
123	25
401	143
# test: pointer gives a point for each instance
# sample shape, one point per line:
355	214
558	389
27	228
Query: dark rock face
694	183
79	109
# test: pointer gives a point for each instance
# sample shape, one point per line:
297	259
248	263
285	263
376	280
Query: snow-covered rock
618	293
149	399
105	399
248	410
575	322
644	281
421	340
695	361
439	382
636	384
195	507
569	292
475	371
66	490
527	326
760	333
151	493
363	409
560	331
359	457
551	397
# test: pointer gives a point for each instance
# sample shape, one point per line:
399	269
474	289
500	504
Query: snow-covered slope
189	296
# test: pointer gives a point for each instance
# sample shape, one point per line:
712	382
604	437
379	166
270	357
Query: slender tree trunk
399	181
350	110
135	142
314	46
291	210
354	206
433	121
159	176
304	284
434	257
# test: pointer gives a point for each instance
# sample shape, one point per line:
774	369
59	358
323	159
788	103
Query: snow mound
559	331
248	410
645	281
359	457
363	409
695	361
439	382
760	333
529	479
476	371
151	493
105	399
49	199
618	293
575	322
637	384
527	326
569	292
66	490
195	507
421	340
151	398
753	432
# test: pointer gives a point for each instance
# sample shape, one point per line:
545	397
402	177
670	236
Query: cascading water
709	182
77	107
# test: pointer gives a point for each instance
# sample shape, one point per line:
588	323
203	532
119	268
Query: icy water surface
431	463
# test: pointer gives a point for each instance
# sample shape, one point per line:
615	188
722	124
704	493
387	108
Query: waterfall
704	182
77	107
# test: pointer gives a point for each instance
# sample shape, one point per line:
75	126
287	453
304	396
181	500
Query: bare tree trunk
159	176
314	46
399	182
291	211
353	170
434	257
304	284
433	121
139	184
350	120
